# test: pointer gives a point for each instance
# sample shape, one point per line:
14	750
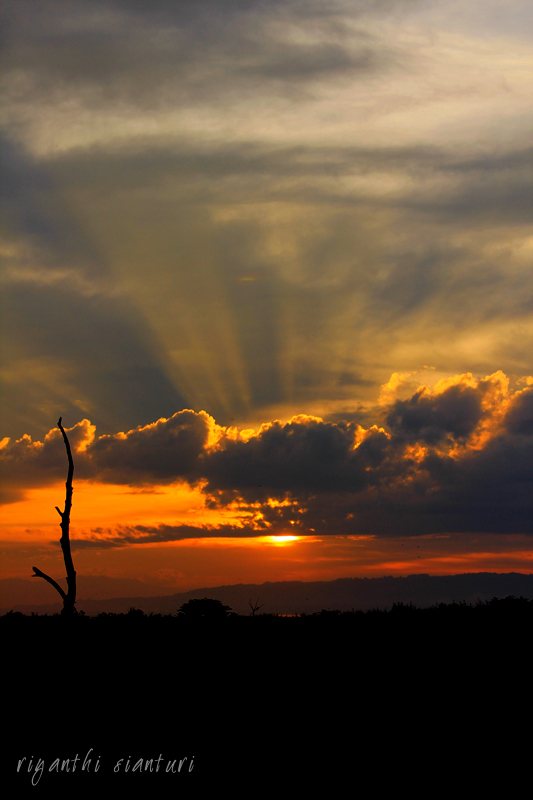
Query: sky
271	262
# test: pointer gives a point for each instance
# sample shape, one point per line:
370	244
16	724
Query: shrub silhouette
204	607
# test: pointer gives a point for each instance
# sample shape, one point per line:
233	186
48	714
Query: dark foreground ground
424	699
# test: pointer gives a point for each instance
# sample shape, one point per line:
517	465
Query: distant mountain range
118	595
20	591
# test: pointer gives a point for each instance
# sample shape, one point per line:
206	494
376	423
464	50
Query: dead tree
68	597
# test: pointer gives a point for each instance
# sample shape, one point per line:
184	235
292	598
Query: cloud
72	338
166	450
95	350
146	54
519	417
458	457
318	259
124	535
429	418
299	457
161	452
258	209
27	464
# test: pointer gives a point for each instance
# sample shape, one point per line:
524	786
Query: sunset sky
271	261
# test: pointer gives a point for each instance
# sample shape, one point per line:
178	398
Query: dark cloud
430	418
506	199
497	161
446	465
133	165
164	451
488	490
103	538
35	214
144	52
302	456
25	463
301	63
161	452
519	417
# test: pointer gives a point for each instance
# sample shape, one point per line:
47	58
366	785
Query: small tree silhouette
204	607
255	606
68	597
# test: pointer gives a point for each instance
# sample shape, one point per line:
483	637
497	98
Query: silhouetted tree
204	607
68	597
255	606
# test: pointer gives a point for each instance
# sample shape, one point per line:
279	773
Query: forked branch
57	587
68	597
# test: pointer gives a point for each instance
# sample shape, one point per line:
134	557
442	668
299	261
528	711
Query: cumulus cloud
167	450
299	457
455	457
430	418
519	417
163	452
27	463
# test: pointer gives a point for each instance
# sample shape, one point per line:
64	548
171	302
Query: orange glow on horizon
107	506
216	561
281	539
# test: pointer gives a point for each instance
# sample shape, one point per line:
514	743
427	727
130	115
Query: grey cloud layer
60	307
161	269
300	326
140	53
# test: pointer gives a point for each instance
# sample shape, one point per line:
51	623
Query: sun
282	539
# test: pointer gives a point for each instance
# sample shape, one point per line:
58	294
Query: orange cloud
457	456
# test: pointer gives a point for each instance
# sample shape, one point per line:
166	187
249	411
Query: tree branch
57	587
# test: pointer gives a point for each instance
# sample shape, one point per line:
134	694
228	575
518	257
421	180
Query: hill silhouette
287	597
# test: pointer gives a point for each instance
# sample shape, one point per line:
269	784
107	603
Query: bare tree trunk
68	597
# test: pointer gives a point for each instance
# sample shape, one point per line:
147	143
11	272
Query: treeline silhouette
205	635
508	609
247	695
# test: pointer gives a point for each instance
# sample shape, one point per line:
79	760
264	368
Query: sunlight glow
282	539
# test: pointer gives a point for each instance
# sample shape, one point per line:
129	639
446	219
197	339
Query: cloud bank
455	457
